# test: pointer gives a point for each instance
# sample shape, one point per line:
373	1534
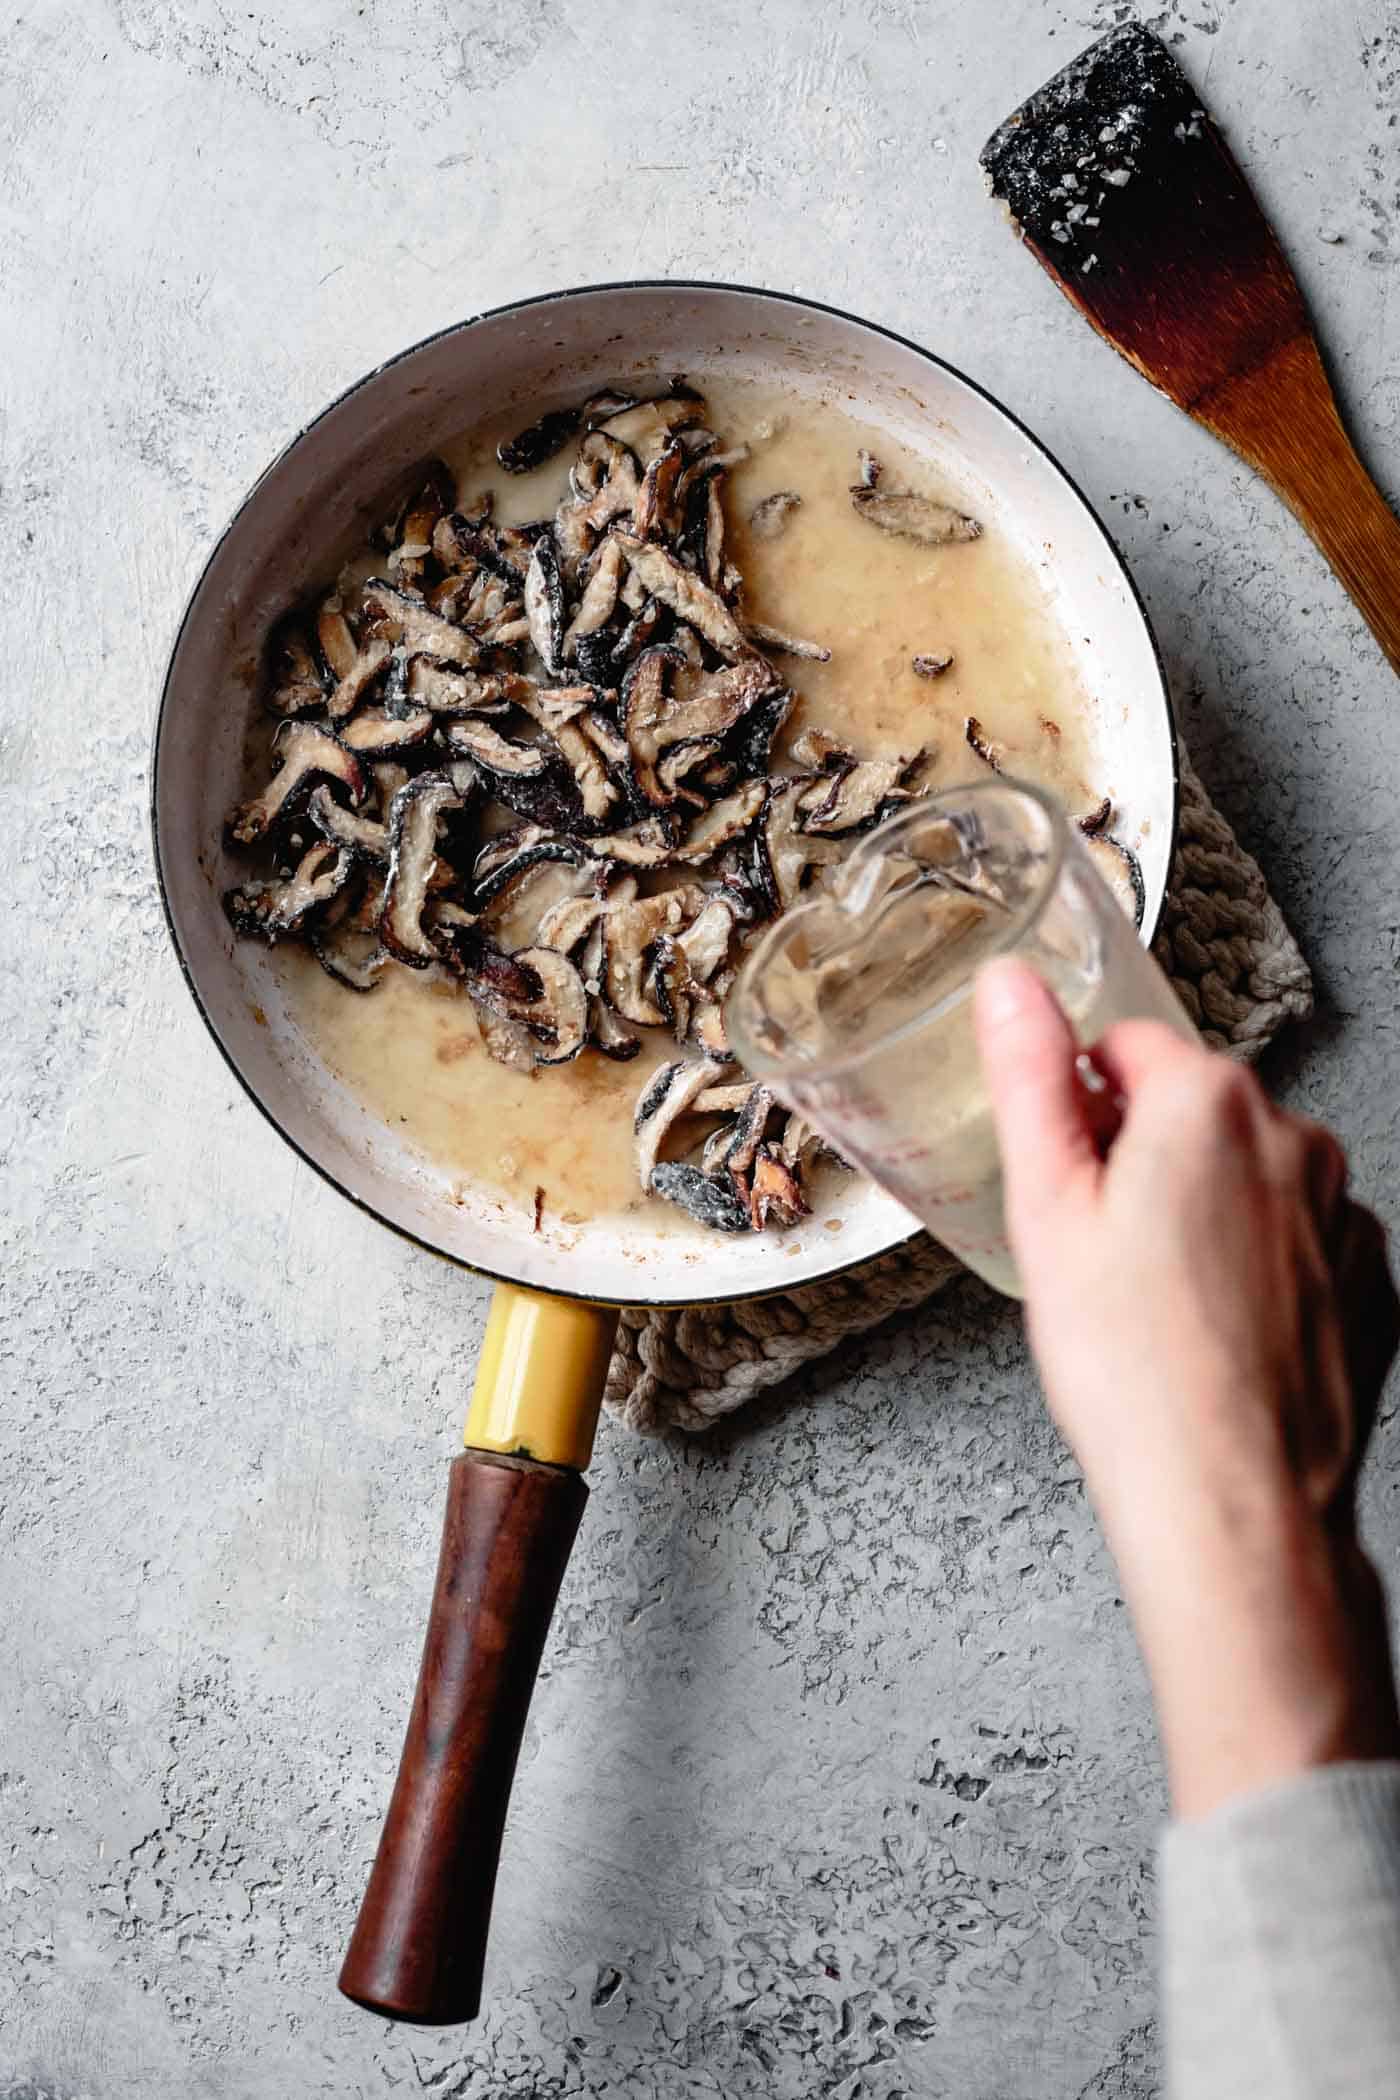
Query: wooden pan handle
420	1941
1283	418
514	1502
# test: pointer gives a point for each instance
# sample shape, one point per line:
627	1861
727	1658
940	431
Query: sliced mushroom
606	483
750	1125
675	768
708	1028
663	577
644	707
599	600
411	535
647	428
353	957
335	639
415	814
359	834
670	985
610	1035
655	724
771	517
663	1101
603	733
990	754
364	674
751	743
558	1018
914	517
818	750
598	793
721	699
388	776
722	1100
303	753
544	602
472	596
531	448
774	1191
707	1199
552	706
656	514
1122	871
705	942
629	930
782	644
294	684
782	852
608	401
374	732
648	845
464	544
931	666
858	796
404	616
712	561
569	921
638	634
722	824
507	859
500	755
267	910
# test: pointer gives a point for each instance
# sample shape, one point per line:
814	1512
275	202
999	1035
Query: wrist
1264	1633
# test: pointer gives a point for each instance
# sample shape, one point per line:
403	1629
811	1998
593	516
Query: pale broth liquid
561	1137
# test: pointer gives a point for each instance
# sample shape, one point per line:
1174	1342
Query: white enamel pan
516	1494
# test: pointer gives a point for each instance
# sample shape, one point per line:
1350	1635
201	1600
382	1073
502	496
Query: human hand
1213	1319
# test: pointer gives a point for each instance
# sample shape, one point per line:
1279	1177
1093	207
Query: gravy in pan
562	1136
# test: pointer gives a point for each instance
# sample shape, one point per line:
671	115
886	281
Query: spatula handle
1283	419
420	1939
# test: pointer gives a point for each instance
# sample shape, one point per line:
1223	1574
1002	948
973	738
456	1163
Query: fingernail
1001	990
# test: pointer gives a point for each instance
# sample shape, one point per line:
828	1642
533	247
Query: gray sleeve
1281	1942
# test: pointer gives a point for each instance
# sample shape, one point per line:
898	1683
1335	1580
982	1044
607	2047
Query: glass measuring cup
856	1006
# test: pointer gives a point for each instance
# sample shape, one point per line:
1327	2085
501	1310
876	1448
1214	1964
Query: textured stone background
841	1780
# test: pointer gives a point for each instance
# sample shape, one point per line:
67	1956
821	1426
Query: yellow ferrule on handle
539	1384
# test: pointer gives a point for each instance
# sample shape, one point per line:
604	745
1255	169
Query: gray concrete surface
841	1780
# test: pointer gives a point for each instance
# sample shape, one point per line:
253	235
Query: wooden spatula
1124	189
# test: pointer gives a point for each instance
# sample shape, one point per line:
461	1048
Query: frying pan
516	1494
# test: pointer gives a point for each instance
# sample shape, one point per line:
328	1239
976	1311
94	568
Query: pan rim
837	1267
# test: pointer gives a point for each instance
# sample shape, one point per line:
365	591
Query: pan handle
514	1501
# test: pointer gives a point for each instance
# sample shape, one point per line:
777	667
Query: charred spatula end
1121	185
1123	188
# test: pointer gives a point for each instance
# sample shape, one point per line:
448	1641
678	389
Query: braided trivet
1240	975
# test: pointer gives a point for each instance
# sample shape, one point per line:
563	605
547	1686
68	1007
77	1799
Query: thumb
1028	1053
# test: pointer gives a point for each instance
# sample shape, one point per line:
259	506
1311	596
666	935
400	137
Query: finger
1028	1054
1132	1052
1368	1308
1325	1171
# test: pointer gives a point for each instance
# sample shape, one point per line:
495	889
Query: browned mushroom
375	733
302	753
266	910
990	754
771	517
773	638
663	577
914	517
415	815
405	617
294	683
